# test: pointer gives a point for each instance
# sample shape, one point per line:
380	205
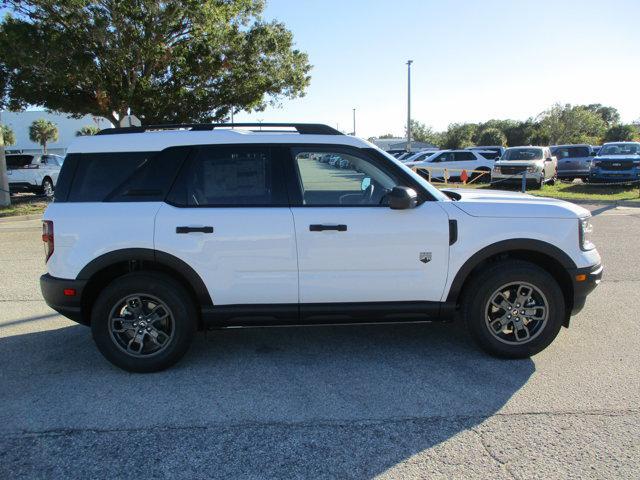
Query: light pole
354	122
409	62
5	197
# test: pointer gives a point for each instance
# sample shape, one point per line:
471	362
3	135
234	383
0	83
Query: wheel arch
104	269
538	252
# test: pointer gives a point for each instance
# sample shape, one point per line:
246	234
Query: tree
459	135
43	131
571	124
422	133
386	136
492	136
87	130
8	135
610	115
621	133
170	61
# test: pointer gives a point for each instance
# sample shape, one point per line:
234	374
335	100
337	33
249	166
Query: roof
155	140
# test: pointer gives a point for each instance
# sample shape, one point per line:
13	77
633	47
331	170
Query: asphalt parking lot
396	401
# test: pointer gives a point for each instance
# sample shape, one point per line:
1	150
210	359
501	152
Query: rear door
352	248
18	168
228	218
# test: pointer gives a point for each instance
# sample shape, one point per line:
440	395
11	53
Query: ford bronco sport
156	232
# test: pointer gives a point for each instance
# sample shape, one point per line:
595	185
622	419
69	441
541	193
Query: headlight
533	169
585	229
496	168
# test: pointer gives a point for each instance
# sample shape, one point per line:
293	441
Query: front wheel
514	309
143	322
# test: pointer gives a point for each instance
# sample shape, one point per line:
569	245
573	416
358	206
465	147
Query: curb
20	218
617	203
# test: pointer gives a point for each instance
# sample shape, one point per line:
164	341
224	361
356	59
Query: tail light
47	238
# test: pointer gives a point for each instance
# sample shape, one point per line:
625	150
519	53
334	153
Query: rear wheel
143	322
483	176
514	309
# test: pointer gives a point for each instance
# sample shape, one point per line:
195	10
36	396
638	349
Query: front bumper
516	178
614	176
53	291
585	280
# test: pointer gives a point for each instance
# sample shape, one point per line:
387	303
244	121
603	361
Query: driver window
341	179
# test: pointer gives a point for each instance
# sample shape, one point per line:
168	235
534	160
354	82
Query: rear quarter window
99	174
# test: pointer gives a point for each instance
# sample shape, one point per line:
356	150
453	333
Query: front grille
615	165
513	170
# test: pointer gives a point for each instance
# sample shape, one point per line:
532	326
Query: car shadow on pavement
288	402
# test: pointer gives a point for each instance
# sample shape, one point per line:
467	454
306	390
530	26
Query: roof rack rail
301	128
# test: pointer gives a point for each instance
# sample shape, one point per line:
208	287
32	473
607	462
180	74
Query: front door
352	247
228	218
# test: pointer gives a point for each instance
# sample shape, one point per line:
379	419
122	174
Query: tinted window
17	161
152	180
351	180
98	174
222	176
463	156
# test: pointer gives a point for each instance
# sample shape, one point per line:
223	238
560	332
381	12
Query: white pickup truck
33	172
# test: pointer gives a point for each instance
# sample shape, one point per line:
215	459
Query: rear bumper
21	186
53	291
585	280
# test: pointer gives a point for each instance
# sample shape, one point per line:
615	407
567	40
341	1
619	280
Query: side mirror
402	198
549	159
592	154
366	181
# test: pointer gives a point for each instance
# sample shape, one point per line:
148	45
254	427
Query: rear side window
463	156
18	161
230	176
99	174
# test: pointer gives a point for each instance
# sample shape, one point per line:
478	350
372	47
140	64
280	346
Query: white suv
33	173
155	234
451	163
536	164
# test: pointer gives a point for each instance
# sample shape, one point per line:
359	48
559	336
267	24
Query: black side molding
321	228
194	229
453	231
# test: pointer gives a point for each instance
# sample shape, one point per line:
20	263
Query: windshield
522	154
620	149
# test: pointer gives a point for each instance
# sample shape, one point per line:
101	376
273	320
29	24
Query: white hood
505	204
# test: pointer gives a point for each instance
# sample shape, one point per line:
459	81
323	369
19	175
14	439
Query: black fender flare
506	246
147	254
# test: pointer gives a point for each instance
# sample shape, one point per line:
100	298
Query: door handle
321	228
194	229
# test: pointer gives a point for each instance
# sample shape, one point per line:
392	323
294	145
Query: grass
24	205
572	191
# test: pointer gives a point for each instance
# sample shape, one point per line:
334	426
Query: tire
163	341
552	181
479	313
47	188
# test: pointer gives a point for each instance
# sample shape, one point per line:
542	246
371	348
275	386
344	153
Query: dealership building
19	122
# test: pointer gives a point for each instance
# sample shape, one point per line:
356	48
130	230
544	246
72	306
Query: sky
473	60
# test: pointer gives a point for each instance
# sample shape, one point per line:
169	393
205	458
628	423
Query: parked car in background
616	162
574	161
396	153
419	156
33	173
537	164
496	150
454	161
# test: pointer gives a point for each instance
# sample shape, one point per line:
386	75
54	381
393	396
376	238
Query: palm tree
8	135
87	130
43	131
